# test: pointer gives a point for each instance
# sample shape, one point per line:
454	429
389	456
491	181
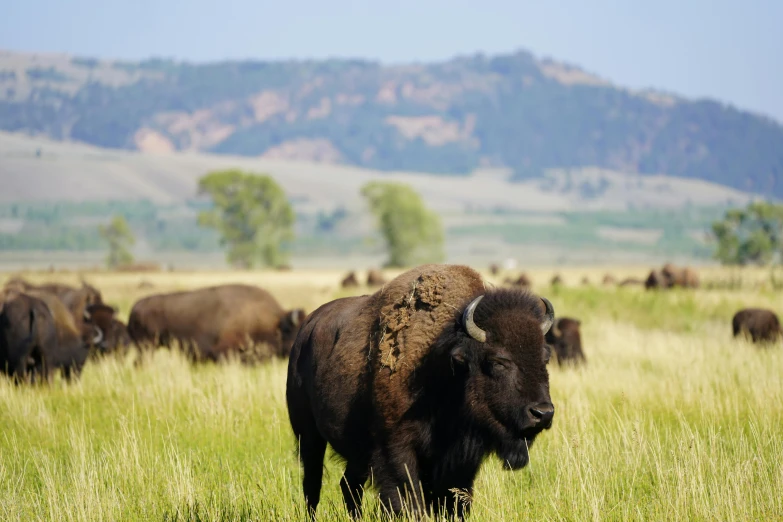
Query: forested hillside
512	110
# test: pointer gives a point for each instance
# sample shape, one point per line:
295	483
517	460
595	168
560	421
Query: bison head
102	330
499	355
289	328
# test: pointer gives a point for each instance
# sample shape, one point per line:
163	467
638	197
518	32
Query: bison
671	276
565	338
609	280
418	383
216	321
556	280
683	277
375	278
350	280
523	281
105	333
39	336
763	325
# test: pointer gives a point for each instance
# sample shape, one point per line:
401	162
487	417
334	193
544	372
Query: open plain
671	418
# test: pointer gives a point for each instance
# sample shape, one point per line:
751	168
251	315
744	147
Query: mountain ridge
511	111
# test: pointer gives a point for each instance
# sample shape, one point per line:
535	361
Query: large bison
566	339
418	383
763	325
38	336
214	322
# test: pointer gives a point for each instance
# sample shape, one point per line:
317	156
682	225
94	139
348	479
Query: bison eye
500	364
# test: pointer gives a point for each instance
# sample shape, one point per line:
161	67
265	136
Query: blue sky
730	51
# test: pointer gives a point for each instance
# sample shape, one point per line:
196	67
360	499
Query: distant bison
350	280
375	278
556	280
494	269
671	276
213	322
417	384
631	281
566	339
683	277
523	281
763	325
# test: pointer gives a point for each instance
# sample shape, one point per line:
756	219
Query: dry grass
671	419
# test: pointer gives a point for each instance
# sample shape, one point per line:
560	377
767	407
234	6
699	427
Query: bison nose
542	414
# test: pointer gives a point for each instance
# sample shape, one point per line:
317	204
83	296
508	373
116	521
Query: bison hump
413	310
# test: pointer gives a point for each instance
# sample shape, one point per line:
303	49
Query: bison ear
459	356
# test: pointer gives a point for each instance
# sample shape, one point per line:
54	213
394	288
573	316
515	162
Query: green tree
120	239
252	214
413	234
749	236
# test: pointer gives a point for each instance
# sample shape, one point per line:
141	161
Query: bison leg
352	485
398	480
312	449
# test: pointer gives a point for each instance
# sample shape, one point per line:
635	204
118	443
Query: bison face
502	358
102	330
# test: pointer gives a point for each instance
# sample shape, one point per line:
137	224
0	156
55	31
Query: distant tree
120	239
252	214
413	234
749	236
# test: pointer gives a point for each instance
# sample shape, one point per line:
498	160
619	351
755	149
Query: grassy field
671	419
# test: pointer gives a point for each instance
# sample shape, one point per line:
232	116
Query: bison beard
419	383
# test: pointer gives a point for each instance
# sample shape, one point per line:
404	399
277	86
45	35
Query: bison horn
87	315
470	326
294	318
549	318
98	336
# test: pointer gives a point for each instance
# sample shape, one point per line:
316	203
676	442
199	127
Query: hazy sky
731	51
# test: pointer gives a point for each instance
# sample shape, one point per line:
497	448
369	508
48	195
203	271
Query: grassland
671	419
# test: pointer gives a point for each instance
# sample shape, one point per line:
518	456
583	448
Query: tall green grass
671	419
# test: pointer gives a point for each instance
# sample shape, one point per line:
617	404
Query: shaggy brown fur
565	338
212	323
396	385
350	280
761	324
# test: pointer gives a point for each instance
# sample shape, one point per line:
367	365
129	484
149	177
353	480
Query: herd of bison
418	381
